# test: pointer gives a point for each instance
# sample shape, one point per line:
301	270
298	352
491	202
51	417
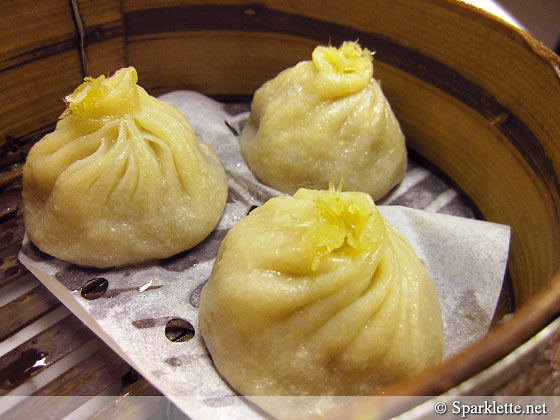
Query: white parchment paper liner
466	258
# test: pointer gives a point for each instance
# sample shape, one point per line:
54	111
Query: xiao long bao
323	117
122	179
317	294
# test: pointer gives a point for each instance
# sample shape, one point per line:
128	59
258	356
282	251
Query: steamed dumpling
317	294
323	117
122	179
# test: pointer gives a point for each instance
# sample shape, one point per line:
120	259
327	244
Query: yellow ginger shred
349	58
85	97
104	97
340	223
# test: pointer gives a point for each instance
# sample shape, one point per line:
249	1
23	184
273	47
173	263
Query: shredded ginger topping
342	222
344	70
349	58
103	97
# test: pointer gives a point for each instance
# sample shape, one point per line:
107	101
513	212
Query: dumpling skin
322	118
317	294
121	180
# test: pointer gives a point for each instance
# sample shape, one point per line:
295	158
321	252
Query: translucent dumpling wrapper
121	180
323	117
317	294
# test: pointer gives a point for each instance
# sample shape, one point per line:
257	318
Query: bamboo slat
26	309
66	393
57	341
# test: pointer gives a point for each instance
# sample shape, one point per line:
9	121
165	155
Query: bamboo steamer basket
475	97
